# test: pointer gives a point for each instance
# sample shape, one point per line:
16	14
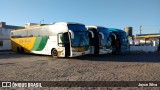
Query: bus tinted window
63	38
19	34
33	32
103	30
105	41
76	27
80	35
60	39
80	39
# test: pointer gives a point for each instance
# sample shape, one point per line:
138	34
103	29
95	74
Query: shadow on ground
129	57
18	55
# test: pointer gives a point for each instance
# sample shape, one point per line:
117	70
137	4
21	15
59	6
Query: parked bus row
64	39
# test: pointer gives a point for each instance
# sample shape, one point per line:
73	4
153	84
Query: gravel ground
125	67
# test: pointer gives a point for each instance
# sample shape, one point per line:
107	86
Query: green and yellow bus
59	39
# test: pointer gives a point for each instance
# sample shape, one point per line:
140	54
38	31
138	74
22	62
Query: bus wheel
54	53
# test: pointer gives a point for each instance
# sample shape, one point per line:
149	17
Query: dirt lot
126	67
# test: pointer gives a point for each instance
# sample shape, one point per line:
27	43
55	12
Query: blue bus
120	43
99	40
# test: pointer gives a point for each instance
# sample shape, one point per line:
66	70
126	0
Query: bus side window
60	39
63	38
31	35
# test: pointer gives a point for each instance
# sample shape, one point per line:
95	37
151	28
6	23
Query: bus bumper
106	51
75	54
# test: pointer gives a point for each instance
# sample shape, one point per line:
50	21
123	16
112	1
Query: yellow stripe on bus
26	43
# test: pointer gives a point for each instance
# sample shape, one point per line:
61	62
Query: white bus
60	39
99	40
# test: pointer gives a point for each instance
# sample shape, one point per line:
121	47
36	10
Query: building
5	43
148	39
146	42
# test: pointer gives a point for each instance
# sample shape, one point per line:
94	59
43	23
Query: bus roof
95	27
39	25
30	27
66	23
115	29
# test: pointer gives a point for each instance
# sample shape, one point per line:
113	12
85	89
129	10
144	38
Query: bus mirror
92	34
72	34
114	36
101	34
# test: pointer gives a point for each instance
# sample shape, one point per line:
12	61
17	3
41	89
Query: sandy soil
125	67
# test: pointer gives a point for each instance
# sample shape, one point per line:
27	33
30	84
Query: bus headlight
74	50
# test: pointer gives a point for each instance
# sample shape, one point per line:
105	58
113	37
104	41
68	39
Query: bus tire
54	53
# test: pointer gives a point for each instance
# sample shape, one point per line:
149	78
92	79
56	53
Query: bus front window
80	39
105	42
80	35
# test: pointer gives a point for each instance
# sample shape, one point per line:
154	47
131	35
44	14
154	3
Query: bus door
66	44
91	41
63	42
96	42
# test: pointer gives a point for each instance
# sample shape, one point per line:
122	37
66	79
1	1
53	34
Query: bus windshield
80	35
104	42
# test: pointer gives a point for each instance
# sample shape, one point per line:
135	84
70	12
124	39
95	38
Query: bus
99	40
120	43
61	39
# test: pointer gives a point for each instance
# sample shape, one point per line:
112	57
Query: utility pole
140	29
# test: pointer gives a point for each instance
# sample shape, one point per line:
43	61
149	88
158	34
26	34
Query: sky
107	13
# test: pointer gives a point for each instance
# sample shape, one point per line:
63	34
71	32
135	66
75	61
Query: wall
5	38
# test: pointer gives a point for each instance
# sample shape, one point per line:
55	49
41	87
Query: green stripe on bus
36	43
42	43
39	43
